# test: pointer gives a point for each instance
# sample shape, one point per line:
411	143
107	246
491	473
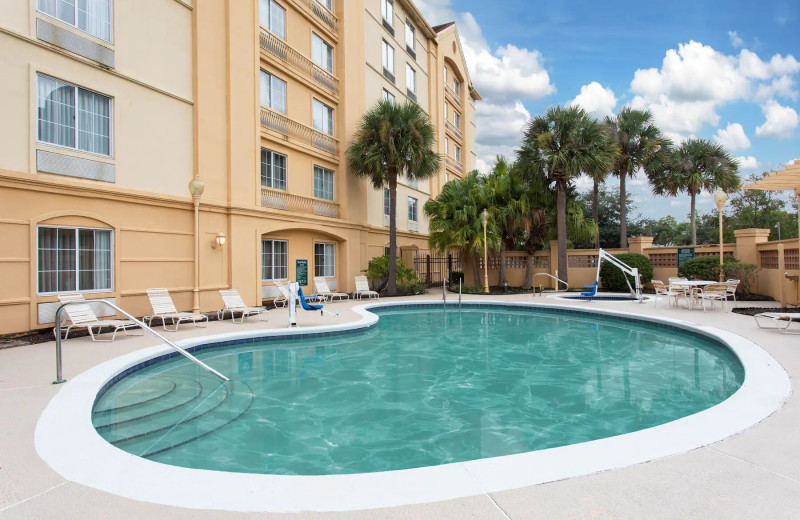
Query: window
456	87
411	36
327	3
386	250
273	92
322	53
445	111
446	146
274	260
457	120
458	153
73	117
412	209
445	74
387	10
388	96
74	259
273	169
386	202
323	117
323	183
272	16
325	260
411	78
90	16
388	57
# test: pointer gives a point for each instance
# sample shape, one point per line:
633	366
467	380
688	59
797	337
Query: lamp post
485	220
719	198
196	188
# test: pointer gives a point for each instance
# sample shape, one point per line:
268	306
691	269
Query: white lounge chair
164	309
362	288
779	318
324	290
233	303
81	315
283	299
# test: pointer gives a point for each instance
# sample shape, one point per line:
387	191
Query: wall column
747	241
637	245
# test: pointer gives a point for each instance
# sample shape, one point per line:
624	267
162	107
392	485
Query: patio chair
715	292
81	315
669	292
778	318
164	309
233	303
362	288
281	300
732	284
324	290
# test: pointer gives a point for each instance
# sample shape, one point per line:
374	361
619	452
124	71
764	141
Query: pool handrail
146	328
533	282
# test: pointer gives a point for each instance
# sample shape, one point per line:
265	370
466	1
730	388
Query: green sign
684	254
301	272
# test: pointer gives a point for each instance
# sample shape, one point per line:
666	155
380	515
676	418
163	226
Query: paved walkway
755	474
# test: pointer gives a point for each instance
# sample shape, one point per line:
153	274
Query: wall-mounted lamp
219	240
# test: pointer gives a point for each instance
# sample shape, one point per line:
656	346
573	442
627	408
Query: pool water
425	386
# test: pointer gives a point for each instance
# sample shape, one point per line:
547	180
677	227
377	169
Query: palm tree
560	146
697	165
392	140
505	191
455	219
638	141
598	178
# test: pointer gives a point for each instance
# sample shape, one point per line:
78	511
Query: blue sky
728	71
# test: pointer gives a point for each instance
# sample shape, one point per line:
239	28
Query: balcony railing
299	132
277	199
455	95
278	48
323	14
455	165
454	130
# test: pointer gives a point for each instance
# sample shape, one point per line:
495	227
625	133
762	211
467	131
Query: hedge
613	278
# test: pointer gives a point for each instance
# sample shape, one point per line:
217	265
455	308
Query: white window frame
77	119
412	209
327	178
387	197
318	44
271	174
77	231
387	10
270	101
272	245
411	78
411	36
387	56
446	146
388	96
269	25
328	4
458	154
457	86
457	119
325	110
328	248
74	24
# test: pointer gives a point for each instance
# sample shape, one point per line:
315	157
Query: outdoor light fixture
485	220
719	198
219	240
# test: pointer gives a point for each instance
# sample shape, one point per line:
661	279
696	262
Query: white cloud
748	163
596	99
736	40
780	87
789	163
780	123
732	137
675	203
509	73
502	123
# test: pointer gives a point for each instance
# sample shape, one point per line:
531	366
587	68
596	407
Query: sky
720	70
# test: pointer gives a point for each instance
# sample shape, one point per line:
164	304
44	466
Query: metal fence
433	269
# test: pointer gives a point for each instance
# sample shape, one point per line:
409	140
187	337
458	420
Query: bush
472	289
745	273
613	278
703	267
455	277
378	271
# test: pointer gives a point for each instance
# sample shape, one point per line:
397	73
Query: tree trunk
623	212
476	271
596	212
502	263
561	218
528	272
692	217
391	285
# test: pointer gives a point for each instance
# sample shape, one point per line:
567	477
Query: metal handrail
533	283
59	373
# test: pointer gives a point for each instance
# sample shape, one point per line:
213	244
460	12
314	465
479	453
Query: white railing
298	131
278	199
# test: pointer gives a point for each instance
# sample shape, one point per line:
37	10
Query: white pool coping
67	441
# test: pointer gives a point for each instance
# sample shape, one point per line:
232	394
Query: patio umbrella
786	179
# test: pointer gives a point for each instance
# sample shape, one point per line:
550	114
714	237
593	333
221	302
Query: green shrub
455	277
745	273
472	289
703	267
613	278
378	271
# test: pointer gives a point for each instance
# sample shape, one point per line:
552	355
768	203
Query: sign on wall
301	272
685	254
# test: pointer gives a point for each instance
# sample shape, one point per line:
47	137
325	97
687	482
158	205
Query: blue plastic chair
592	291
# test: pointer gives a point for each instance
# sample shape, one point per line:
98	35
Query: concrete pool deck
750	475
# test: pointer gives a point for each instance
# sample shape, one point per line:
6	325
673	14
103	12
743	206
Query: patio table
693	286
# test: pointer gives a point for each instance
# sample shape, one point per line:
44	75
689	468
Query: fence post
449	265
428	268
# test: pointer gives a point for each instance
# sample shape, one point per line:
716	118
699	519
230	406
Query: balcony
455	165
278	48
323	14
293	130
278	199
455	96
453	129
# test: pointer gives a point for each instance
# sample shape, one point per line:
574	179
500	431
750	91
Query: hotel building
200	145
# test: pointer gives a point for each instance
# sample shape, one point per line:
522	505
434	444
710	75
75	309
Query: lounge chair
234	303
362	288
732	286
81	315
164	309
281	300
777	319
324	291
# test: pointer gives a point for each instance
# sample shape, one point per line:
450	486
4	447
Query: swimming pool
67	440
424	387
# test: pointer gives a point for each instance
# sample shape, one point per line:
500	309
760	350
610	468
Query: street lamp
485	220
719	198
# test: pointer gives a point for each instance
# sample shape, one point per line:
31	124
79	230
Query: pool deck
754	474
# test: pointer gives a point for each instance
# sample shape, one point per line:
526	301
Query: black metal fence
433	269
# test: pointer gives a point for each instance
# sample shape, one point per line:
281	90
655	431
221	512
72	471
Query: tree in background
697	165
508	207
763	209
608	221
393	140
